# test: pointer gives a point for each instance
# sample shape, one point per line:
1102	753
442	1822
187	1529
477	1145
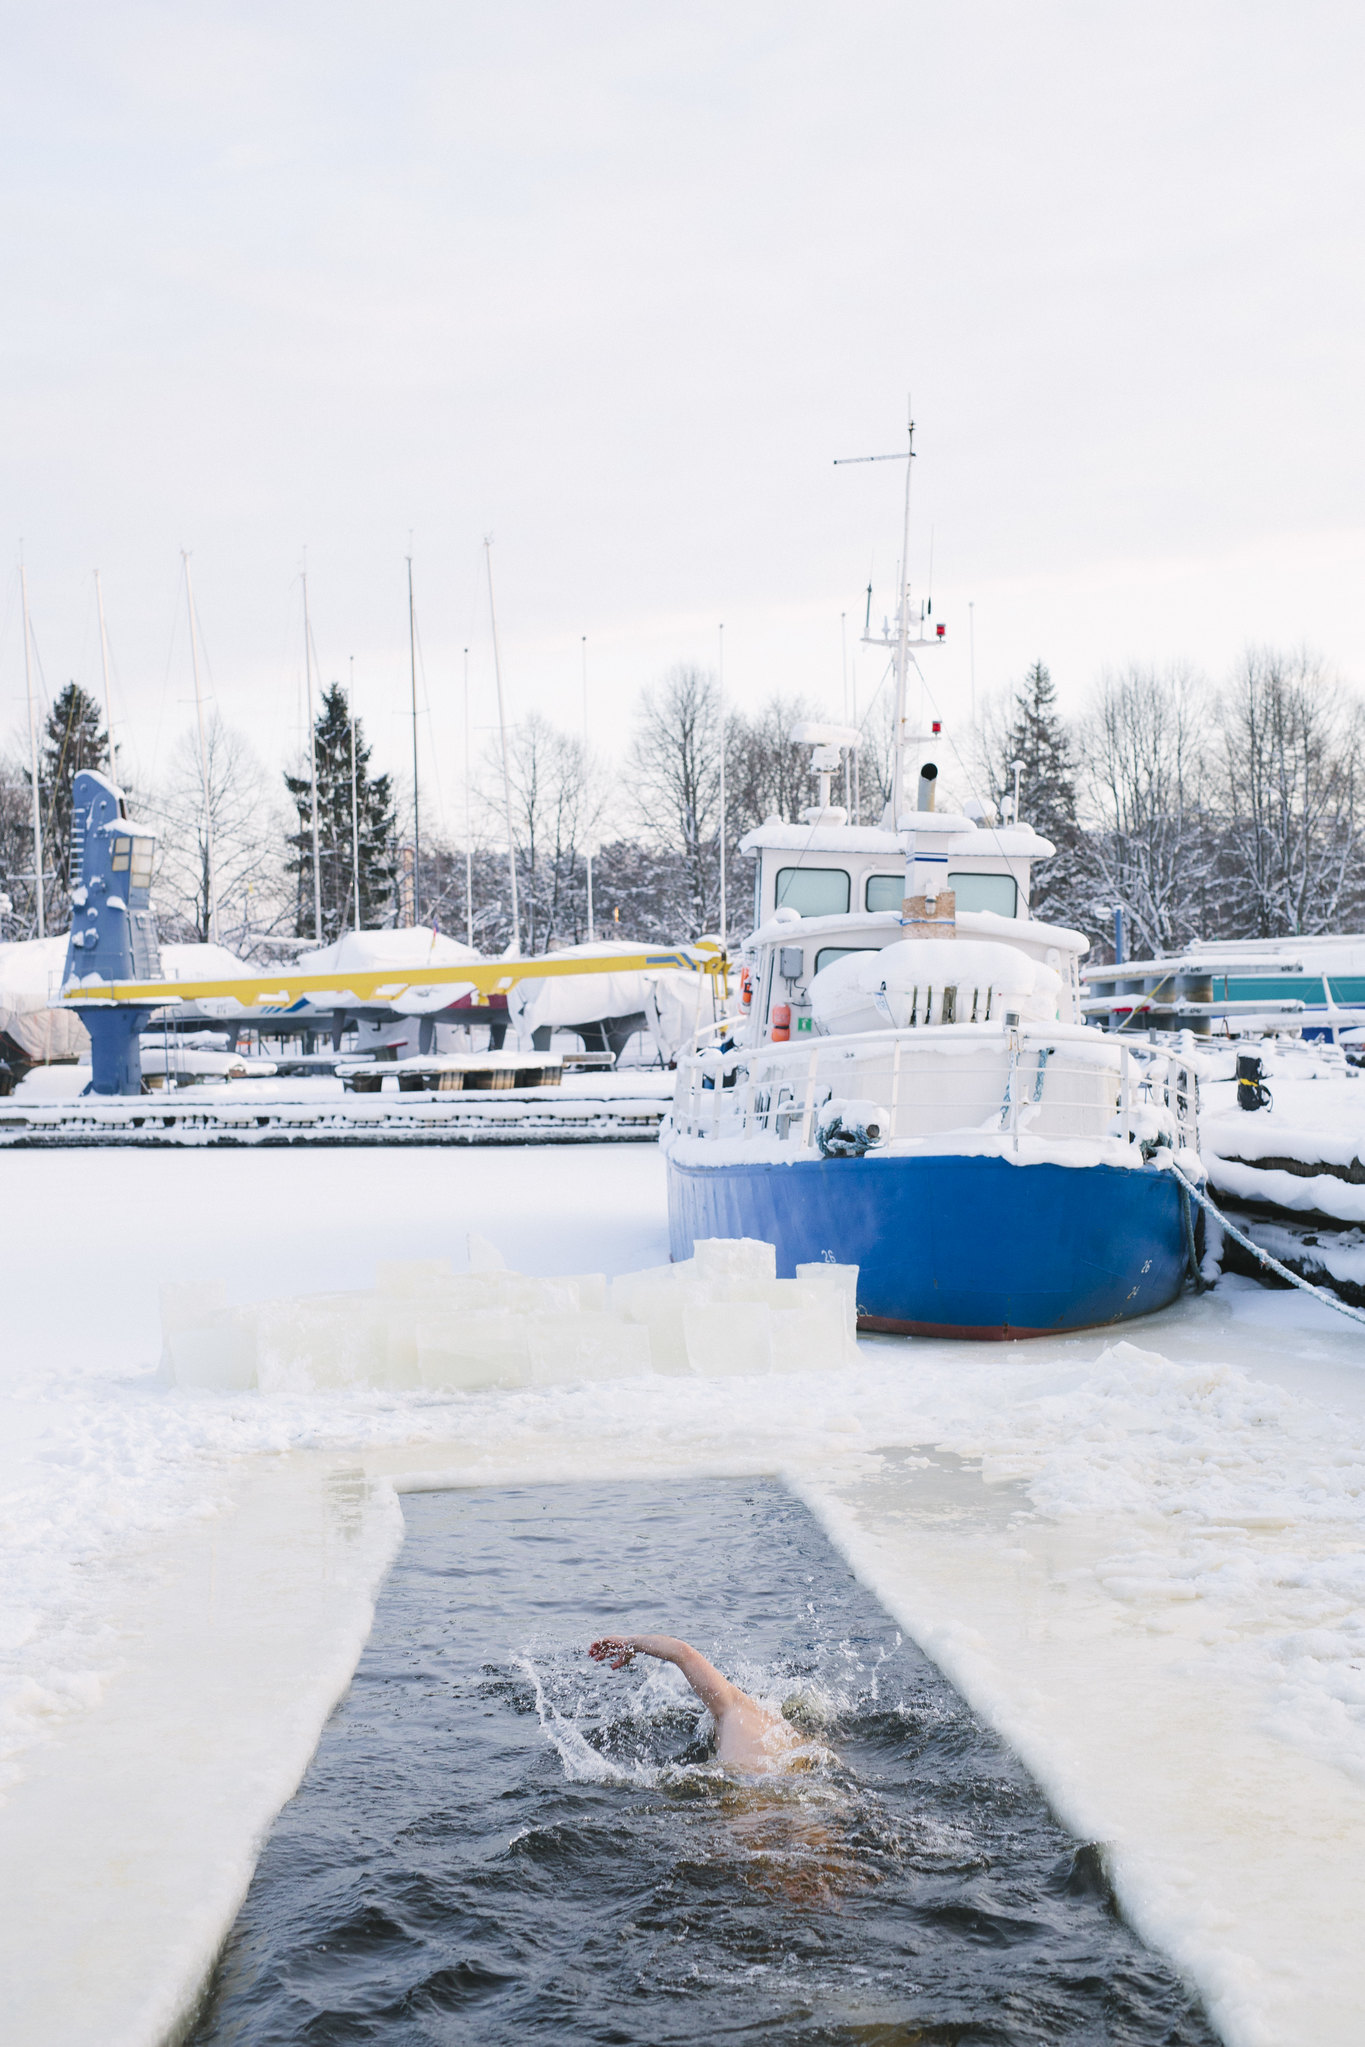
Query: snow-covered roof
1005	841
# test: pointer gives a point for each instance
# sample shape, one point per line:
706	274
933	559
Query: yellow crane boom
387	984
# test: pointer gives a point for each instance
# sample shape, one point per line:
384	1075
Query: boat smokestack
928	776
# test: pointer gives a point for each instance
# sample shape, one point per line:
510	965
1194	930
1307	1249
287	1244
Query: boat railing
937	1084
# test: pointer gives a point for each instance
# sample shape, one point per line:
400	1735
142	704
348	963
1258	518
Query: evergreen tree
375	817
1047	791
73	738
1038	738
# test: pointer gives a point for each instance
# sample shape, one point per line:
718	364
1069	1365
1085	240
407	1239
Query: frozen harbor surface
1139	1558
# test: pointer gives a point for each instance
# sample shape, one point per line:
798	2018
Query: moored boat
914	1089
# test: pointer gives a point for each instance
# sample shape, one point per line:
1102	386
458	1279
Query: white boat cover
30	982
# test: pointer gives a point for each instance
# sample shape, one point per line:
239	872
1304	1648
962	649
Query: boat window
813	891
998	892
828	954
885	891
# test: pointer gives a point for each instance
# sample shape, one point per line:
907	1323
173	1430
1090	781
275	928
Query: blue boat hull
954	1245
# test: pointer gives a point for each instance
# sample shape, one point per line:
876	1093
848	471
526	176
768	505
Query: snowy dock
596	1108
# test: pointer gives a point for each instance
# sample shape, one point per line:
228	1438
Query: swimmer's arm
715	1692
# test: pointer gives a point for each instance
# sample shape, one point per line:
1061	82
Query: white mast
33	762
587	857
720	659
355	805
210	887
902	645
506	777
312	761
416	810
104	660
902	642
468	841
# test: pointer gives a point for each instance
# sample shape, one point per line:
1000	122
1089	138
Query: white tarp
675	1002
399	952
30	984
201	963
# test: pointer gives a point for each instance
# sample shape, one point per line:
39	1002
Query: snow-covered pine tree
73	738
374	804
1038	737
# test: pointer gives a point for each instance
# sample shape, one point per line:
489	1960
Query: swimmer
748	1736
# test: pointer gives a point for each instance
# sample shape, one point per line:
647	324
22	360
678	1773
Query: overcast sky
614	284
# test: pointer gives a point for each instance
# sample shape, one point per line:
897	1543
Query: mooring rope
1306	1286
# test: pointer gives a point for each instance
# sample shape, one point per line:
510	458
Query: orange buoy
782	1022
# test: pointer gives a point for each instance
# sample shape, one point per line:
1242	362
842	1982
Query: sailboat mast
506	774
416	809
210	885
355	805
468	841
720	669
33	762
312	762
104	662
902	648
587	857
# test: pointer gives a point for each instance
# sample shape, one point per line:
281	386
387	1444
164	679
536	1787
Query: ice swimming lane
499	1841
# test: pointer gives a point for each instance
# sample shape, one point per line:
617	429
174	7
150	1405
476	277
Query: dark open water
499	1842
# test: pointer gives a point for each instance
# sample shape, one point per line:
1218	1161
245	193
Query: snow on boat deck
1139	1557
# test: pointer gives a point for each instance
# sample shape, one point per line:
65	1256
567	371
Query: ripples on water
500	1841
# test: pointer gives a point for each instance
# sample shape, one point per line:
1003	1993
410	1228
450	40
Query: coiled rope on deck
1193	1193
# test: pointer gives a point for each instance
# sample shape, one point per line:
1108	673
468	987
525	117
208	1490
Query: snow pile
722	1313
908	982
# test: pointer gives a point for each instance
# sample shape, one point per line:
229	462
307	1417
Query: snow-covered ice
1140	1556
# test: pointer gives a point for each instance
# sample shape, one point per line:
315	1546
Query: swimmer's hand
614	1649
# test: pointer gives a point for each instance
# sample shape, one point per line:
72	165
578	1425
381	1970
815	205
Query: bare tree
559	794
248	837
1291	748
674	774
1142	759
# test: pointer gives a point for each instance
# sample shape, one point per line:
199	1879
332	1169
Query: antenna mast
104	660
210	887
33	761
902	642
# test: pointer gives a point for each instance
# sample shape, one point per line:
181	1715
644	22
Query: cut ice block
728	1339
188	1304
735	1258
483	1256
813	1338
321	1341
655	1299
839	1279
488	1348
592	1292
566	1348
413	1275
221	1359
